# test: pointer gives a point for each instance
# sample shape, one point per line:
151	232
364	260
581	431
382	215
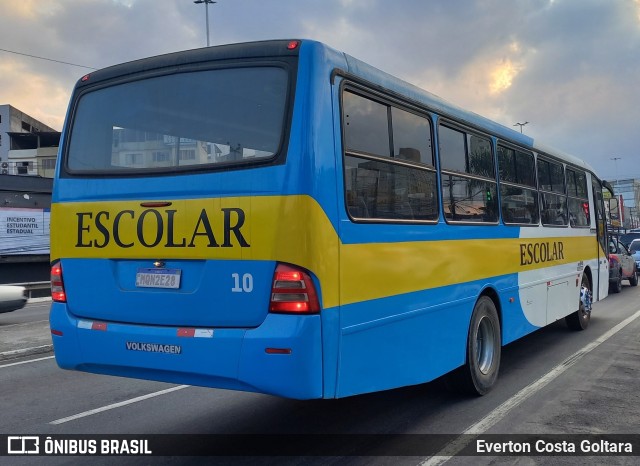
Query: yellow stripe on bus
284	228
294	229
396	268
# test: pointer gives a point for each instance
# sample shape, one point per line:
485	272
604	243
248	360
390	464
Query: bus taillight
293	291
57	284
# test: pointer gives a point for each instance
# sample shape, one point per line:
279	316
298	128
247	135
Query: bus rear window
177	121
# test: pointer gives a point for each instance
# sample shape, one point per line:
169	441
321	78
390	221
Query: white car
12	298
634	249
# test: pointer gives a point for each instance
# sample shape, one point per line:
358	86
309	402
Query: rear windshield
184	120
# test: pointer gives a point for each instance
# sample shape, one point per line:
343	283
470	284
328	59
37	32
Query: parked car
12	298
626	238
634	249
622	266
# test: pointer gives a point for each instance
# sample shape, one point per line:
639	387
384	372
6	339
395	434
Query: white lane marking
117	405
491	419
25	362
26	351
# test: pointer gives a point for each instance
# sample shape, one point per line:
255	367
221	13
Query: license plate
158	278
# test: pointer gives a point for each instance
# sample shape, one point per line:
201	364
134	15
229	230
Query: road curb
26	352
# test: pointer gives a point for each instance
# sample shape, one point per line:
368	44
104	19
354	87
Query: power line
48	59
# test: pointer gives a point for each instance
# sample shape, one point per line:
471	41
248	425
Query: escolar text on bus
535	253
99	229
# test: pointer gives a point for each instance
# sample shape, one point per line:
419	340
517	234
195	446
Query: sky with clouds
571	68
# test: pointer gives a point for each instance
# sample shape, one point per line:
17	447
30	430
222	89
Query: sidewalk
25	339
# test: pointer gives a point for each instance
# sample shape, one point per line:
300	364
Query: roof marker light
85	78
292	45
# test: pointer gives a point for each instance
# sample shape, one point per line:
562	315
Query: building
14	122
32	154
27	147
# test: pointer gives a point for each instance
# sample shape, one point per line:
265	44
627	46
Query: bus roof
249	50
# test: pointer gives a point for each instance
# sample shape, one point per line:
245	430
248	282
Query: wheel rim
485	345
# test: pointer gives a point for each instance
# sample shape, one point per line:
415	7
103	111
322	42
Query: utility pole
521	125
206	13
615	161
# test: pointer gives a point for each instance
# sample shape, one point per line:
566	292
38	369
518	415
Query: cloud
51	97
570	67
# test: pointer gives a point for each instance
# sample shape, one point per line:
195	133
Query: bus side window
384	180
519	195
469	188
552	193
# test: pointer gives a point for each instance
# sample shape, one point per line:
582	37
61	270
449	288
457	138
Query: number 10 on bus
242	285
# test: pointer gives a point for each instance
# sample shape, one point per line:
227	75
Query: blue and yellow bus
283	218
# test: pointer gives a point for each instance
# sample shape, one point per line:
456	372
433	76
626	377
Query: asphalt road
555	381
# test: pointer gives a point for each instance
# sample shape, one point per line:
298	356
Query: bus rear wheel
580	319
484	344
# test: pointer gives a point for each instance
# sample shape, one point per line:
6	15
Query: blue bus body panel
417	337
202	299
233	358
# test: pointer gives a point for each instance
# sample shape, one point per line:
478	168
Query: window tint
579	212
383	190
553	201
507	164
526	168
480	158
519	203
550	176
465	153
218	116
578	200
516	166
554	209
576	183
402	185
452	149
466	198
411	137
366	125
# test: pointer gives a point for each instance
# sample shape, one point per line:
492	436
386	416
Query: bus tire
616	287
580	319
484	345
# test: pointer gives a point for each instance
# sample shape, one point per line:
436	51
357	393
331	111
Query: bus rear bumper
280	357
